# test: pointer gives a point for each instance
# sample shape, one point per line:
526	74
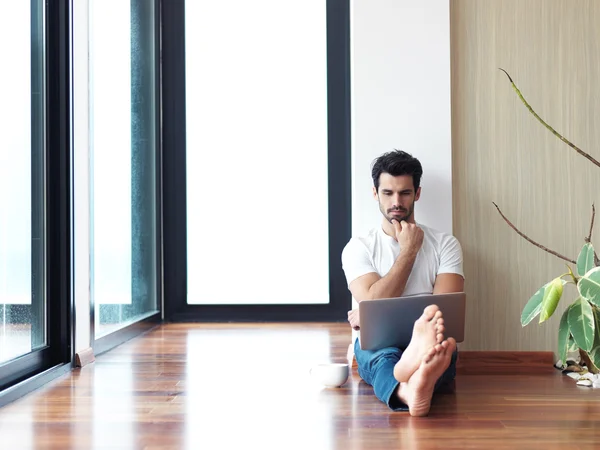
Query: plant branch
589	238
527	238
552	130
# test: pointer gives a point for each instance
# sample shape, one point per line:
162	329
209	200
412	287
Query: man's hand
354	319
408	235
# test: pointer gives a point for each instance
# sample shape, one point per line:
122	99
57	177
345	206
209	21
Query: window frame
30	371
150	320
174	178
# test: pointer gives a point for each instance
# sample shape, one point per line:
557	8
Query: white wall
401	99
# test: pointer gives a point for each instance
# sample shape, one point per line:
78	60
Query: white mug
330	375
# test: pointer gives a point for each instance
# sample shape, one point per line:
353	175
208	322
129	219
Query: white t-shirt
377	252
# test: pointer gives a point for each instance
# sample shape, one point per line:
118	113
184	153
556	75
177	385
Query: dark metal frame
174	178
148	321
30	371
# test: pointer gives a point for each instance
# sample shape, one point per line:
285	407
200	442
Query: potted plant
579	329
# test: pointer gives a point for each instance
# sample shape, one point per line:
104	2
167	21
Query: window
35	233
123	134
22	234
257	177
257	181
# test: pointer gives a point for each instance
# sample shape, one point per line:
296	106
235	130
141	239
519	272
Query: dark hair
397	163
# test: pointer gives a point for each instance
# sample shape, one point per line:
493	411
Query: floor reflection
223	386
258	380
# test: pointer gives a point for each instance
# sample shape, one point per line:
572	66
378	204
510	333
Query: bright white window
110	132
15	154
257	194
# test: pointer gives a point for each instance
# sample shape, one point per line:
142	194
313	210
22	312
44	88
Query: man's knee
370	360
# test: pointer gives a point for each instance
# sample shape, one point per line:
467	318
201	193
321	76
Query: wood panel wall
502	154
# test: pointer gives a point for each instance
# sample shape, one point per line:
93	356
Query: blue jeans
376	368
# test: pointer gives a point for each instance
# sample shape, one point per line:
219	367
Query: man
399	258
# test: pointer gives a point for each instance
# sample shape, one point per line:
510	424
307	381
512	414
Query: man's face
396	196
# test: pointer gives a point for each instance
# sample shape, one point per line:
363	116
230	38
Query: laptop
389	322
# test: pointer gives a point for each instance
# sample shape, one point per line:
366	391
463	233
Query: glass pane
22	295
256	99
122	99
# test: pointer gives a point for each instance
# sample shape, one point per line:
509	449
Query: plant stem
569	281
588	362
588	239
572	275
570	144
527	238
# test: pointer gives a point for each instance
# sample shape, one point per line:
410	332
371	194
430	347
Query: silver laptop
389	322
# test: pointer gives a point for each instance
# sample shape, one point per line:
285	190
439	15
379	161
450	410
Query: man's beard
405	214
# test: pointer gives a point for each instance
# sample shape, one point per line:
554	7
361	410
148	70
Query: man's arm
450	276
371	286
446	283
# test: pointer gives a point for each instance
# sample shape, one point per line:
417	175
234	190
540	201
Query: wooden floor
197	386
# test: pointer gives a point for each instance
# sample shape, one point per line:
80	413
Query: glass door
35	195
22	181
124	163
256	126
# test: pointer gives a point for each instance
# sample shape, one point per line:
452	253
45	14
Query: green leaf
589	286
594	354
563	336
581	323
533	306
585	260
552	294
572	346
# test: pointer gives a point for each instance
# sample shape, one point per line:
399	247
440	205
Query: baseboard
504	363
84	357
494	362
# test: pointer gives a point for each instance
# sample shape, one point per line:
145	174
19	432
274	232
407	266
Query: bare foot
418	391
428	331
